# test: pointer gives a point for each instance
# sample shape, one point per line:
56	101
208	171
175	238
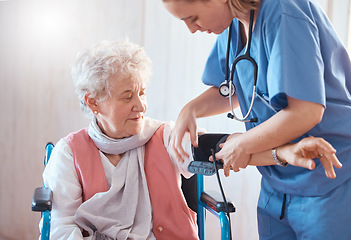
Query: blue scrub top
298	54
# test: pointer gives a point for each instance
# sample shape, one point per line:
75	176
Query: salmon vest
172	219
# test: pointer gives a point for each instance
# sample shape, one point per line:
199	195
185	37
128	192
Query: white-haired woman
118	178
115	179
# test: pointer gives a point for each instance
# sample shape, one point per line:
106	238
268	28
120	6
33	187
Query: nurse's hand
232	155
301	154
186	122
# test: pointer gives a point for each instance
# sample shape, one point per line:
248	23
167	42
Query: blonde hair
240	5
243	5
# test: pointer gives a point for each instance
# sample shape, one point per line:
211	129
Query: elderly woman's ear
91	103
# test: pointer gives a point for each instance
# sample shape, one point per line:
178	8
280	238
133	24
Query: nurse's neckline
244	24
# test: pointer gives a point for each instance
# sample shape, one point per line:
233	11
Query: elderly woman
119	178
109	180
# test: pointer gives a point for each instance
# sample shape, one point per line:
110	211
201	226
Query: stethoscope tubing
245	56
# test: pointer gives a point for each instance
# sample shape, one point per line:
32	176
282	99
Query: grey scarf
118	146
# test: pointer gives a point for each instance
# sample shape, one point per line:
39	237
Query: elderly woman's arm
61	177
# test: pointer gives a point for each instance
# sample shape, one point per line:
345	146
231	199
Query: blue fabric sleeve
295	66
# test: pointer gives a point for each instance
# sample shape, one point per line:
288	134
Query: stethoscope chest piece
225	89
228	86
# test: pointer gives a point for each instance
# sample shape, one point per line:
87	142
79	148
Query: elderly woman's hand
301	154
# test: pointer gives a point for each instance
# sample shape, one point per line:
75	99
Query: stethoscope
228	86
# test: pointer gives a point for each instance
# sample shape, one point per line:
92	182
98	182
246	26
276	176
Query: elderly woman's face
121	114
212	16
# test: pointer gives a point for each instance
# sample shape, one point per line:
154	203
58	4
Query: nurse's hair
241	5
94	67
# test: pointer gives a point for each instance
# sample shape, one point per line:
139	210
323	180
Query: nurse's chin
217	32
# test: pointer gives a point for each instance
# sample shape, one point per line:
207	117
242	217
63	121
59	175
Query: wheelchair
199	201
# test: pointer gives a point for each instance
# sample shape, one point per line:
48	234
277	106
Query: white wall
38	41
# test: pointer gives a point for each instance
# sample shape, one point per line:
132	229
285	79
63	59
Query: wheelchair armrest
215	202
42	199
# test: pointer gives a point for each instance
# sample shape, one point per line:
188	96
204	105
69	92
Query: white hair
93	68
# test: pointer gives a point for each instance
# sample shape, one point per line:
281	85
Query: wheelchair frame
42	199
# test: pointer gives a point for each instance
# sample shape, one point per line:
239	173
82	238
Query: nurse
303	89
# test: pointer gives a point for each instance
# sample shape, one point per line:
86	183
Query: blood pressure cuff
206	142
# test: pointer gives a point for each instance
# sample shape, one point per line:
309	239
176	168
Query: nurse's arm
301	154
288	124
209	103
